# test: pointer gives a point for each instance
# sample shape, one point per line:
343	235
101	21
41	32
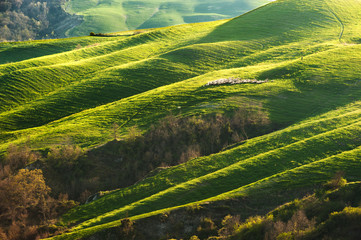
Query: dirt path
153	14
342	26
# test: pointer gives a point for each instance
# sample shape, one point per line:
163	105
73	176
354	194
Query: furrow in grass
171	37
112	78
311	174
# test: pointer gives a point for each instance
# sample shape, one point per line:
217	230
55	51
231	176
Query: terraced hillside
308	50
121	15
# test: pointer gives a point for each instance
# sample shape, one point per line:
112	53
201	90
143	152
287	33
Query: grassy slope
119	15
312	59
121	64
41	90
315	155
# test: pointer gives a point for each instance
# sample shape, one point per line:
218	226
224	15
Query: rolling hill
308	51
120	15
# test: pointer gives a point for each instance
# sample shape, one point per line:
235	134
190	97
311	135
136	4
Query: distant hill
46	19
119	15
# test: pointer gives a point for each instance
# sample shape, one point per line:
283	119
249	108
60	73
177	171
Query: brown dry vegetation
27	209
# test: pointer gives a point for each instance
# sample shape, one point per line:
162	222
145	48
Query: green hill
77	88
120	15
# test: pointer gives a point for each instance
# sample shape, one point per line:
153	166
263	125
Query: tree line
30	19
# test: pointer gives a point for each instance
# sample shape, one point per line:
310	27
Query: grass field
76	88
119	15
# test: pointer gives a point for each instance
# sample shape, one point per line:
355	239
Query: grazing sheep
233	80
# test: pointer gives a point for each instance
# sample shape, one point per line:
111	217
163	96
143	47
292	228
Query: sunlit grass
311	61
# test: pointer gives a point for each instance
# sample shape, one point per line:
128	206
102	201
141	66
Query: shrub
206	228
336	182
64	169
64	157
253	229
194	238
268	229
126	229
229	225
17	157
194	208
137	32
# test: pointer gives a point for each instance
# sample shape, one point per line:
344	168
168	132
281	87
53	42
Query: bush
268	229
126	229
194	238
64	158
229	225
253	229
64	168
194	208
206	228
336	182
97	34
17	157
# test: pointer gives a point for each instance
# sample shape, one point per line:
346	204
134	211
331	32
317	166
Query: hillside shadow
290	107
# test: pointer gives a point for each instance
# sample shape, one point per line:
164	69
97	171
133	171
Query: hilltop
297	64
